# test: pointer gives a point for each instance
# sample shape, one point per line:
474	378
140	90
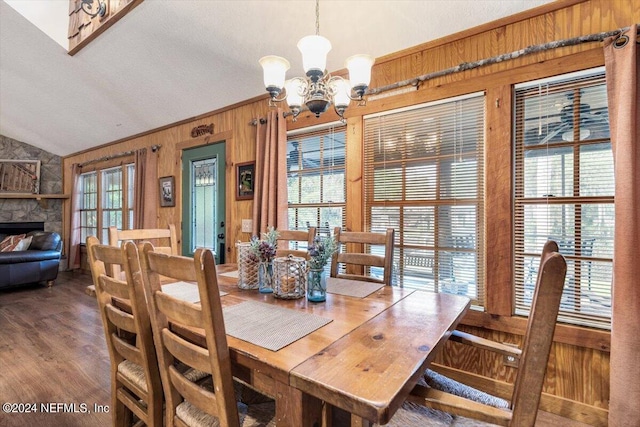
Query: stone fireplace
49	211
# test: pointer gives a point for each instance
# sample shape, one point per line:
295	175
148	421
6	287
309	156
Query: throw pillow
23	244
10	242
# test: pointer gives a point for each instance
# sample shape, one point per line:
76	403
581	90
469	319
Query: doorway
203	202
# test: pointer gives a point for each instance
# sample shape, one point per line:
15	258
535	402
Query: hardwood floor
53	354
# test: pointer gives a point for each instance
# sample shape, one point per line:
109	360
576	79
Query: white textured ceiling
169	60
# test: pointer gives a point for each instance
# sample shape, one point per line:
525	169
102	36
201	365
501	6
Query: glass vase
265	278
316	285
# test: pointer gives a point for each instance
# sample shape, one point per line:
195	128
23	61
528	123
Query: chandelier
318	90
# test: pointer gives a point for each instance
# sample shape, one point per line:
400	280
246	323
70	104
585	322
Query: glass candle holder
290	279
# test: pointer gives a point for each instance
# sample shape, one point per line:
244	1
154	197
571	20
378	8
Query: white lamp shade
359	67
314	51
275	69
294	88
342	89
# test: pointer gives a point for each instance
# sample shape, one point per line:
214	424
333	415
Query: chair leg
357	421
122	416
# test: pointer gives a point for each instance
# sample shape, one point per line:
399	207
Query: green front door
203	189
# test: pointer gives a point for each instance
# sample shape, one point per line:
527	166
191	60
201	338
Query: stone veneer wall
28	210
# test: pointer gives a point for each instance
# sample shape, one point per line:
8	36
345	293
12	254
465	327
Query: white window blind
564	190
316	178
423	176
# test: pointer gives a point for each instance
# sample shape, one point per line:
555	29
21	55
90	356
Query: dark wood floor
53	354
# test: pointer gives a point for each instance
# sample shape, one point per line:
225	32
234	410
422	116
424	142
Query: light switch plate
247	225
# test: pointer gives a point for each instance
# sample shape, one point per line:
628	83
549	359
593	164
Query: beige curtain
74	226
623	90
145	206
270	189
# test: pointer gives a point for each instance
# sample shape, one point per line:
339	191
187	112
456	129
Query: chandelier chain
317	17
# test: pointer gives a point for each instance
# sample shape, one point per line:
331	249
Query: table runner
185	291
351	288
269	326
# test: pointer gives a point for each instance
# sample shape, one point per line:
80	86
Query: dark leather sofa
38	264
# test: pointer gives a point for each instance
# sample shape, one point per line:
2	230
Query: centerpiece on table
320	252
263	251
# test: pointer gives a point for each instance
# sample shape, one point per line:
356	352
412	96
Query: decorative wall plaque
202	130
20	176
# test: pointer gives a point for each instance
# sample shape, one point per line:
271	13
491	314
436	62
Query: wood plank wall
577	381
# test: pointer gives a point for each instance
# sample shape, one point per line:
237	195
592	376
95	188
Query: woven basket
247	267
289	277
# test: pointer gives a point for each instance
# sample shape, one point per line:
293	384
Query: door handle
221	236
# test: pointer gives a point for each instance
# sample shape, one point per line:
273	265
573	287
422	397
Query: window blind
423	176
316	178
564	190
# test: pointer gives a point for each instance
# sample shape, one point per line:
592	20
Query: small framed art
167	191
245	180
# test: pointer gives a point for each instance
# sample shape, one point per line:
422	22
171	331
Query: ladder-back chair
167	236
135	379
166	240
358	258
285	237
190	403
533	357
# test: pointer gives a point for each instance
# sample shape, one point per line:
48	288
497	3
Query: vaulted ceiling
173	59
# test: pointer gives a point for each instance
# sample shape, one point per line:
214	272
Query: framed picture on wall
245	179
167	191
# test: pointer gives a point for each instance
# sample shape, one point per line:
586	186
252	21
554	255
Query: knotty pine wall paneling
577	382
231	124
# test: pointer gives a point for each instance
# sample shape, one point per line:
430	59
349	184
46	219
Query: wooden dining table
365	360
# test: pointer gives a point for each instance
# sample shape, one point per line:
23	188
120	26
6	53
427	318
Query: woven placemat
233	274
185	291
269	326
351	288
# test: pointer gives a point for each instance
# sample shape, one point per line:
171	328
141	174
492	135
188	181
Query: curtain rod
254	122
416	81
154	148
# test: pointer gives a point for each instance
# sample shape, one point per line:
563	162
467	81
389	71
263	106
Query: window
88	205
564	190
316	178
106	200
423	176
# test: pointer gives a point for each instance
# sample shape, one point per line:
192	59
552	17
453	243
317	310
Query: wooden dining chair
136	388
287	237
163	239
190	403
532	358
354	255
